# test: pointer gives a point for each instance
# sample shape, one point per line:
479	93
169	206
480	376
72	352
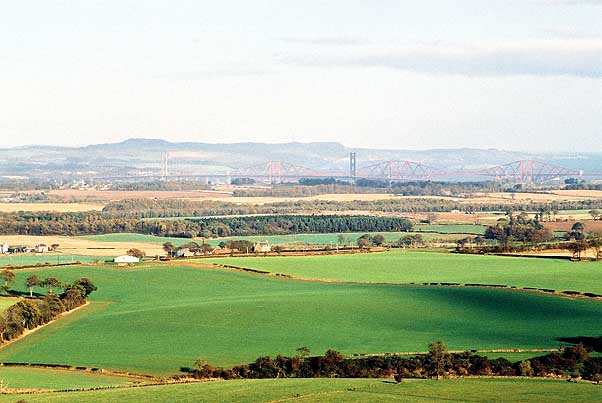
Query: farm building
126	259
41	248
3	248
184	252
262	247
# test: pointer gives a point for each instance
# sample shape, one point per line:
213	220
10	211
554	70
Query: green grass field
336	391
312	239
420	267
50	258
42	378
472	229
156	319
5	302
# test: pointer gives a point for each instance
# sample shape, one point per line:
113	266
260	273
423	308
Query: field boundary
546	291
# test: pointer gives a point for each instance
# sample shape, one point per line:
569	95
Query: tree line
150	208
90	223
31	313
571	361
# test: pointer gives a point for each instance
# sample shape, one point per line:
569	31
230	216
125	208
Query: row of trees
84	285
31	313
145	208
571	361
316	186
73	224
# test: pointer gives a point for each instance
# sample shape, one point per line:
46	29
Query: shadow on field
16	293
595	343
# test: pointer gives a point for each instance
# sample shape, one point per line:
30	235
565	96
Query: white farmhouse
126	259
262	247
41	248
184	252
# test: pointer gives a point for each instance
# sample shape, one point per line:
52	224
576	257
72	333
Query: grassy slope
406	267
162	318
336	391
40	378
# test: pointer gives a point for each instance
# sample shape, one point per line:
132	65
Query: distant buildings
184	252
41	248
262	247
4	248
126	259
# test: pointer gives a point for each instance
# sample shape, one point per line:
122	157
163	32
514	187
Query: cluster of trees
315	186
583	186
160	185
519	233
366	240
31	313
518	228
410	241
571	361
579	241
193	247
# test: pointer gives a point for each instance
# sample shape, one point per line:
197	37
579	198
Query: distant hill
139	156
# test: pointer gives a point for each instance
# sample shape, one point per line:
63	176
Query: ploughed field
425	267
335	391
157	318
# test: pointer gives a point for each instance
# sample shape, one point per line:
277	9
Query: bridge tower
352	167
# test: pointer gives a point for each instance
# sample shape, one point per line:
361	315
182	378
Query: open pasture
44	378
5	302
421	267
336	391
26	259
157	318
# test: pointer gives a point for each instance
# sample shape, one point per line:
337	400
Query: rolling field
336	391
42	378
156	319
420	267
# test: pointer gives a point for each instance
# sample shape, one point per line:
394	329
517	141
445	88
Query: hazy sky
510	74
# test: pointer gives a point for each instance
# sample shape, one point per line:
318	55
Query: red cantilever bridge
523	171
